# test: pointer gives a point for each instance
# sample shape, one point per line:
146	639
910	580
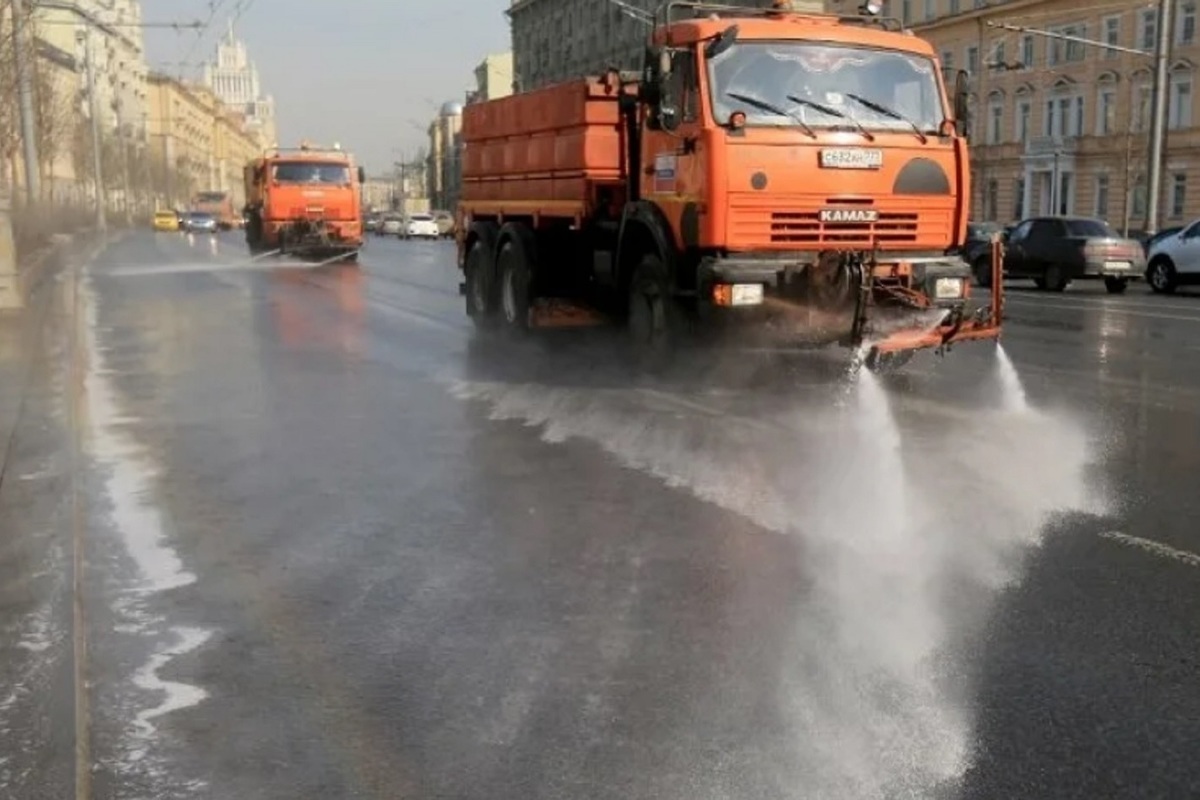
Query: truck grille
804	227
788	223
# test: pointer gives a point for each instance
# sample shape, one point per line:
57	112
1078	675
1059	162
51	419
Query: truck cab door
673	148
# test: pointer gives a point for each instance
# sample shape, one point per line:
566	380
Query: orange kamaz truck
305	201
803	172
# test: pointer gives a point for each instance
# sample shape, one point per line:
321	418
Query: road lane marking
1126	311
1157	548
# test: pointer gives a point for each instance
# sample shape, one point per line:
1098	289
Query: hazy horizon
369	74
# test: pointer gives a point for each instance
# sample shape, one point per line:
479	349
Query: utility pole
1158	120
94	106
33	183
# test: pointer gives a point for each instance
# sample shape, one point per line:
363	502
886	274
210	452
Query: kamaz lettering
848	215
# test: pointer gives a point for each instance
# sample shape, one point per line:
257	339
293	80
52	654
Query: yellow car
166	221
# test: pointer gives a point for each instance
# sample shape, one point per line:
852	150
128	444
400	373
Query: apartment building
444	169
195	142
1061	126
493	78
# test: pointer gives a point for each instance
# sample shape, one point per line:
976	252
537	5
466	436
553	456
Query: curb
17	288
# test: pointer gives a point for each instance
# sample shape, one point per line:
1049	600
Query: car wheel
983	272
1054	279
1161	276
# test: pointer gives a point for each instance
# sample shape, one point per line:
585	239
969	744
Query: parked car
421	226
1174	259
445	223
166	220
391	225
1054	251
200	222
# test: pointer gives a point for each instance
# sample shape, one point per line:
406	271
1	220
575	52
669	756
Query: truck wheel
516	280
1115	285
481	296
654	318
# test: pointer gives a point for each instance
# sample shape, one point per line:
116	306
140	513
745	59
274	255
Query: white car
1174	259
422	226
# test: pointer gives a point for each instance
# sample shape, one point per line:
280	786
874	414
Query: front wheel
1161	276
655	318
1115	285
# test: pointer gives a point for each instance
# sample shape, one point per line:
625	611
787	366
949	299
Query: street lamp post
94	106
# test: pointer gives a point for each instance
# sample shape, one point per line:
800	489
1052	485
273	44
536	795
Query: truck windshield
309	172
829	76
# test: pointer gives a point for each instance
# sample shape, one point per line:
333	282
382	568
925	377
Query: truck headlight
948	288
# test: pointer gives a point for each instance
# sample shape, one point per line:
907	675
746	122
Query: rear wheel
1115	285
481	302
516	283
1161	276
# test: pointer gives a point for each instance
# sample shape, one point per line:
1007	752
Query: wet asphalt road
275	532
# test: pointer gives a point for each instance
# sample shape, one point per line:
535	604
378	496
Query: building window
1019	199
1139	196
1064	117
972	59
1075	50
930	9
1066	193
997	61
1050	119
1101	205
1179	113
990	198
1178	194
1112	35
906	12
948	59
954	6
1140	113
1185	26
1076	127
1024	114
1026	51
1106	109
1148	29
995	121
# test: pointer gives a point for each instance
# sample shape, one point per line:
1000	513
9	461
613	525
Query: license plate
1117	265
746	294
851	158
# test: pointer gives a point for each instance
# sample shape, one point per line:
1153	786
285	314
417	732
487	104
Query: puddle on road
897	518
140	528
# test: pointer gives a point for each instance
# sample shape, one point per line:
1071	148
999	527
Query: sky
369	74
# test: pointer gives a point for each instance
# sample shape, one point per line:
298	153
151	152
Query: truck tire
655	319
480	286
516	283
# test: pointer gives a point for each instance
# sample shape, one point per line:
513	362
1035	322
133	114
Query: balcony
1049	145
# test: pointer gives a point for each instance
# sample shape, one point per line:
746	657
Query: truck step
553	312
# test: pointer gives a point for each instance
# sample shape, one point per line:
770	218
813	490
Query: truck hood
787	190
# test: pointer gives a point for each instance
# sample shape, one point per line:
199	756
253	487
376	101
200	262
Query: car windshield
311	172
798	78
1088	227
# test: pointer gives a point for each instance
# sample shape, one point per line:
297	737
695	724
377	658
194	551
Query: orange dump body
556	150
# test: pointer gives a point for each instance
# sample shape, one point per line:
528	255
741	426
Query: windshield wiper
890	112
833	112
771	108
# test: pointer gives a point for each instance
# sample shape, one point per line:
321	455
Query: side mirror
962	105
723	41
362	175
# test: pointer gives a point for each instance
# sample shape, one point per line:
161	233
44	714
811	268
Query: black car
1054	251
